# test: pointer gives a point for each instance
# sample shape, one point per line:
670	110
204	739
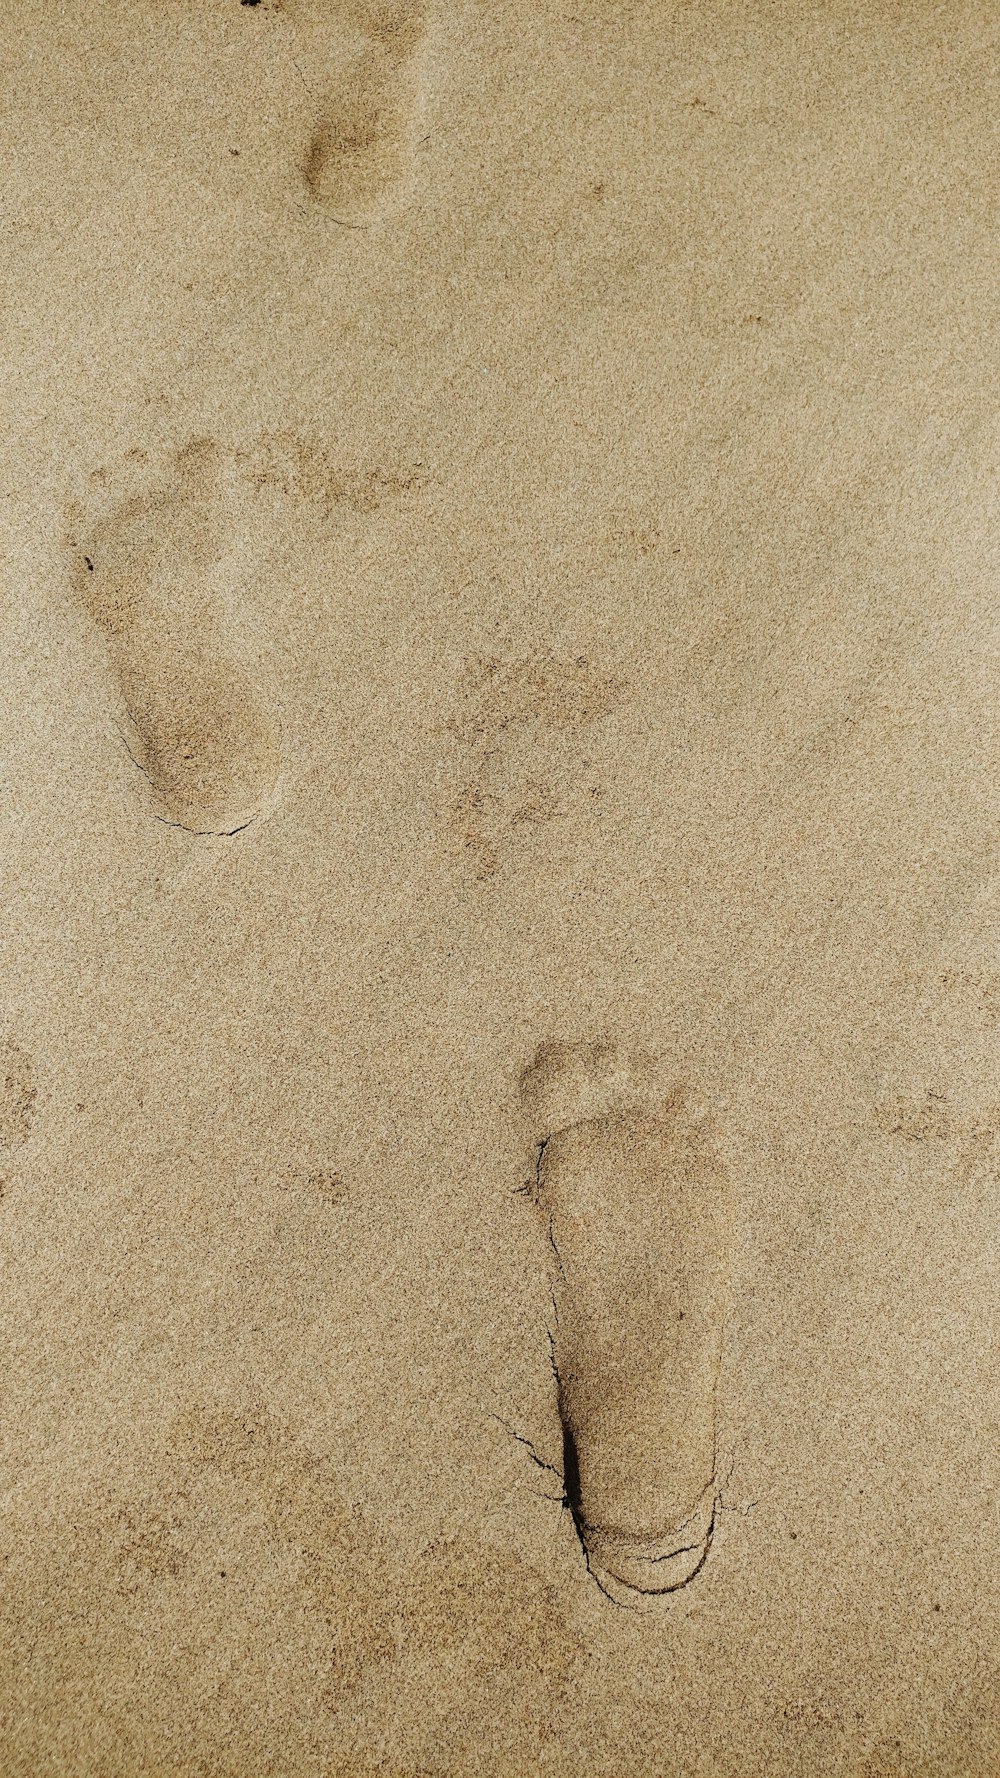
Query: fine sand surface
500	1035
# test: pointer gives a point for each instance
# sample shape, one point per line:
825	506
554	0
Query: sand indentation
522	763
636	1203
359	162
310	470
248	1499
193	723
18	1094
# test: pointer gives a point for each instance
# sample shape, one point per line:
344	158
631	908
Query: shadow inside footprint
18	1094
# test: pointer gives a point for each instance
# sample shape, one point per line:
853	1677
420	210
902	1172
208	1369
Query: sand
500	561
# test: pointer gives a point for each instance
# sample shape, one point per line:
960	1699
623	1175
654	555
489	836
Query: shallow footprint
359	162
638	1213
194	724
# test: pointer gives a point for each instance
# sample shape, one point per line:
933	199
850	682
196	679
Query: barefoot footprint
359	161
637	1206
194	724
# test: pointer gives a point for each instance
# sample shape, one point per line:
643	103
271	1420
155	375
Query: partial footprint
18	1094
638	1214
360	159
204	746
527	738
194	724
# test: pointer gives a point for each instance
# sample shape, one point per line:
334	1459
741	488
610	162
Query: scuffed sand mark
307	469
18	1094
520	763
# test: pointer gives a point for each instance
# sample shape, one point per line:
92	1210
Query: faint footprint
502	1617
521	761
638	1213
359	162
18	1094
195	726
306	1519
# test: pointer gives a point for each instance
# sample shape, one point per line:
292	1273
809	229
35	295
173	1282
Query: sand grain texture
498	1065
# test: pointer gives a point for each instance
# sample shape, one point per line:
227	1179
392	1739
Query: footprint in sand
363	62
638	1214
193	722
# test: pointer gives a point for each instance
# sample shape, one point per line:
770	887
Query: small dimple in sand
194	725
638	1213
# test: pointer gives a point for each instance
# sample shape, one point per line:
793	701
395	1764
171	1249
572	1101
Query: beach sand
500	723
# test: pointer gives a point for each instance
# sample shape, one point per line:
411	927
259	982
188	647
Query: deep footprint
637	1207
359	161
192	721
